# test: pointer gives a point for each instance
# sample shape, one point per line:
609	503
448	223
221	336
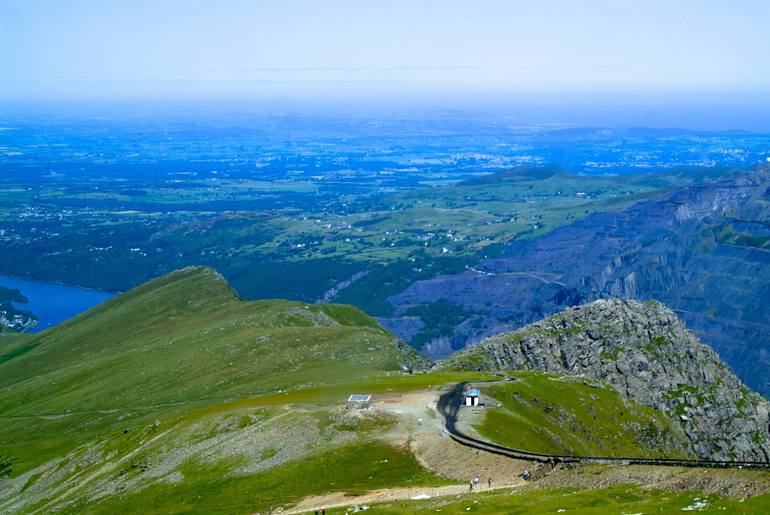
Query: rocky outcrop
646	352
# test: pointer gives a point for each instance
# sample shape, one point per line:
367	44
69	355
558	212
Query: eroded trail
340	499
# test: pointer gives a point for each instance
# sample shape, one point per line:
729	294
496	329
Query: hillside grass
618	499
34	439
353	469
189	338
7	338
12	344
178	366
570	416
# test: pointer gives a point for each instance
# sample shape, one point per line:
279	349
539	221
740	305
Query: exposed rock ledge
645	352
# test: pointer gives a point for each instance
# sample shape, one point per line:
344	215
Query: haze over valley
267	257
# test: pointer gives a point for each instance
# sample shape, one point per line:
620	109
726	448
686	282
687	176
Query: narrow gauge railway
450	402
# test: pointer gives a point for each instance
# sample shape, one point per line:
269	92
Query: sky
88	49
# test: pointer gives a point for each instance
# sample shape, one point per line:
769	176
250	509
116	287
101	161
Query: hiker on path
489	482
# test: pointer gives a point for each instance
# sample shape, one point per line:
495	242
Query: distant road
531	275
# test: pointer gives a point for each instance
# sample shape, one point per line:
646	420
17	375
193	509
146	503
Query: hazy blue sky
363	47
682	63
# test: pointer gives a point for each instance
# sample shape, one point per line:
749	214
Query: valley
292	207
214	403
444	239
697	249
273	258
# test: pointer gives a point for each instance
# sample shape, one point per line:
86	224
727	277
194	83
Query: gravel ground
735	484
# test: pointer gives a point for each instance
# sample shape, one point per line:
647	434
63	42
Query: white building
472	397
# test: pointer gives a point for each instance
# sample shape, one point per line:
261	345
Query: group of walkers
475	480
526	475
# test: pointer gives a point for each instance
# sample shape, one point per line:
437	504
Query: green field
548	414
397	237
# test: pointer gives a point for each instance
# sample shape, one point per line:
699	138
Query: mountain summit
188	335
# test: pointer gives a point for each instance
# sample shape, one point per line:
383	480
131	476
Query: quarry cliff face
643	350
703	250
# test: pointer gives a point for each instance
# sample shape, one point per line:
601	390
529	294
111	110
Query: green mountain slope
9	338
180	379
178	396
559	415
186	336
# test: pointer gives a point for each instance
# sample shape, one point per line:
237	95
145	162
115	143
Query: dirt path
340	499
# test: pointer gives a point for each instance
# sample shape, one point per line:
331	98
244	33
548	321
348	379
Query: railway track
450	402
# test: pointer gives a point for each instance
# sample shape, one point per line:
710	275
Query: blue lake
53	303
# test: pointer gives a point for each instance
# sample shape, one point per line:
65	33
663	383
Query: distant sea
53	303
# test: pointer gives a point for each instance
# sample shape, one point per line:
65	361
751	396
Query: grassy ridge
188	336
10	338
32	440
182	341
179	396
553	415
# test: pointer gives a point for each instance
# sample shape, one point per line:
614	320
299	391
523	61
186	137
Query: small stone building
472	396
357	401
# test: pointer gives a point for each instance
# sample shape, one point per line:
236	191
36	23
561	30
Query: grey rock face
645	352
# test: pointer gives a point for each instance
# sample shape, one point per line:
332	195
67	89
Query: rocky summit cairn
645	352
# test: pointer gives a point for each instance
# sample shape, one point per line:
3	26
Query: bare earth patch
420	424
437	452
